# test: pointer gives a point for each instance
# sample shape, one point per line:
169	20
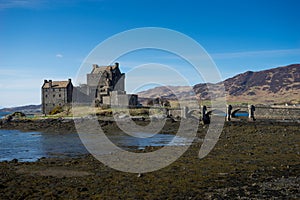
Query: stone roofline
56	84
107	67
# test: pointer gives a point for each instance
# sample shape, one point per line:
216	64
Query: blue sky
50	39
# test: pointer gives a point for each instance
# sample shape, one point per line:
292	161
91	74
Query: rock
18	114
82	189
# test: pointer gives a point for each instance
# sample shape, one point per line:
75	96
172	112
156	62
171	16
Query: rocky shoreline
43	125
257	160
67	125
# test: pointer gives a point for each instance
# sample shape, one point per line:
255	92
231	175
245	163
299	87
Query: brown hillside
277	85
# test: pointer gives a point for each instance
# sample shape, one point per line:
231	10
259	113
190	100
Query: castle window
54	104
46	104
53	89
59	89
46	95
54	95
59	95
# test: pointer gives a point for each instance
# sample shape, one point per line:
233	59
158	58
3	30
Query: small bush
56	110
139	112
105	107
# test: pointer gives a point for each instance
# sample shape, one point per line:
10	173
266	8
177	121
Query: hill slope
277	85
25	109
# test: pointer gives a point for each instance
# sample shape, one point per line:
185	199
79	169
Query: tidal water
2	114
30	146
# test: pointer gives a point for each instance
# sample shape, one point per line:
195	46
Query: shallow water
3	114
30	146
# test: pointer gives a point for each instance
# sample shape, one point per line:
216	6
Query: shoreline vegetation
251	160
256	160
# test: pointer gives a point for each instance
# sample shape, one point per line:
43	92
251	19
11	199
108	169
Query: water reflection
23	146
142	140
30	146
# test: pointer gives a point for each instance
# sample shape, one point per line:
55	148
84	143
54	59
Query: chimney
117	64
95	66
45	81
69	80
50	83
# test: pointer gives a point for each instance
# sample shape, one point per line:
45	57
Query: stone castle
105	86
56	93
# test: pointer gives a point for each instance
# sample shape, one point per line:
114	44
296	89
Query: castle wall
106	100
93	80
120	84
80	96
288	113
120	99
53	97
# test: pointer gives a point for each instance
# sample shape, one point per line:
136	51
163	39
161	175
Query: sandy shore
257	160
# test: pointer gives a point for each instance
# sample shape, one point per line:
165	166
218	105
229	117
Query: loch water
30	146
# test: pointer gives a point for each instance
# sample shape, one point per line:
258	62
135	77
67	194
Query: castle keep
56	93
105	86
103	80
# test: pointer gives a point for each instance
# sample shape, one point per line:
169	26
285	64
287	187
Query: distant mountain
169	92
24	109
277	85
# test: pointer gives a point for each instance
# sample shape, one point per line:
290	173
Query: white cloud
59	55
264	53
4	4
33	4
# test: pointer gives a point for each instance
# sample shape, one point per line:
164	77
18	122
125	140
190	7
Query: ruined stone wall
176	112
288	113
269	112
261	112
120	98
106	100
